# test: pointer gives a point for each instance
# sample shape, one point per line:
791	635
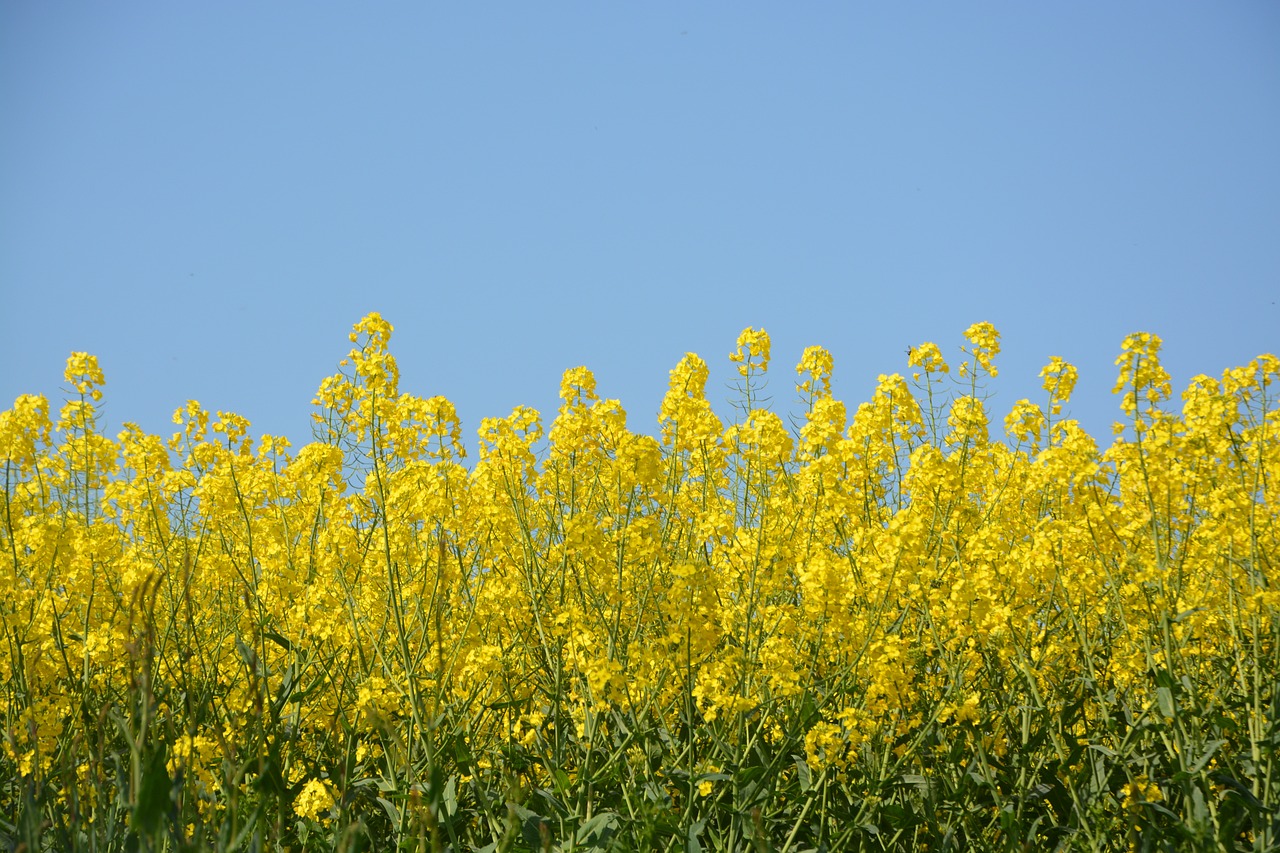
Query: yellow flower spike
578	386
985	343
753	351
824	425
1060	381
83	372
1140	790
968	711
1025	422
314	801
818	363
687	419
928	356
1141	372
377	329
23	429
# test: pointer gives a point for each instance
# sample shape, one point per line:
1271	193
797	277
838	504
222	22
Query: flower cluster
880	631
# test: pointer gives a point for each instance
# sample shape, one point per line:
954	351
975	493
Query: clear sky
208	195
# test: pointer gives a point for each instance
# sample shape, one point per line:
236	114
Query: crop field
913	624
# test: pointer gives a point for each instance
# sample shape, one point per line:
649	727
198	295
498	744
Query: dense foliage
889	631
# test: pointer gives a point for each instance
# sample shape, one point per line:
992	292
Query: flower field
895	627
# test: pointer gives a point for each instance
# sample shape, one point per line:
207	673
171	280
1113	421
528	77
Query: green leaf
803	774
1199	810
598	829
153	795
551	799
287	684
247	654
508	703
298	696
1157	807
278	640
449	796
898	817
271	780
695	829
654	793
393	813
915	781
1210	748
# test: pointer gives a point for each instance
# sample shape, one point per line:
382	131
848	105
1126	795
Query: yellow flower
84	374
968	712
818	364
753	351
896	586
314	801
985	343
1025	422
928	356
1140	790
1059	380
378	329
1141	373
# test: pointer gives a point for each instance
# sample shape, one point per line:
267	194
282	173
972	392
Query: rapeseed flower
864	611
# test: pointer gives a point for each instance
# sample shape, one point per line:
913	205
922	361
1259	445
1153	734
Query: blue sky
207	196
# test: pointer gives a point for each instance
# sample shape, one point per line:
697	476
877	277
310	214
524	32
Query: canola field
914	624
